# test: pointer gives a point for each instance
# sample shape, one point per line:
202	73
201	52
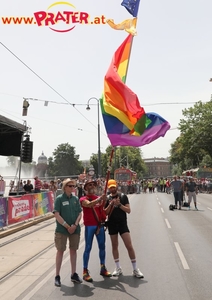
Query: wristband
64	223
75	224
119	205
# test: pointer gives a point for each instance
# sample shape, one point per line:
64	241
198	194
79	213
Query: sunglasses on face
71	186
91	184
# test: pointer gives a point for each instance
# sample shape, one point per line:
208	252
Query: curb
5	232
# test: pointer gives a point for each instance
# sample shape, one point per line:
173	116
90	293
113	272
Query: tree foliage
195	139
129	157
64	162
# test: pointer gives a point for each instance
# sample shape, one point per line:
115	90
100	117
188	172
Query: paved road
173	251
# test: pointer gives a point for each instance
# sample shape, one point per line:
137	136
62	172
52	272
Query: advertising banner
3	212
20	208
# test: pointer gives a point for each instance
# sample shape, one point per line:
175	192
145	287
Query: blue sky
171	62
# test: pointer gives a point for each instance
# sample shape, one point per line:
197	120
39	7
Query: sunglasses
70	186
91	184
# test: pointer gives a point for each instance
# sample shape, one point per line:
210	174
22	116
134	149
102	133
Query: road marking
159	203
182	257
162	210
167	223
209	208
40	284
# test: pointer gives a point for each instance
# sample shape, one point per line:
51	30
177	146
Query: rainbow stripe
125	120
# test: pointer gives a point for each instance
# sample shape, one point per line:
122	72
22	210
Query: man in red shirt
93	216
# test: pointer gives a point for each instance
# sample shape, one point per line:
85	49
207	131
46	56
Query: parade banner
43	203
3	212
20	208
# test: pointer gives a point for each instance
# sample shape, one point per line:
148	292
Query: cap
112	183
89	181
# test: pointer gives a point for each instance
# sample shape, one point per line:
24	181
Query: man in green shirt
68	213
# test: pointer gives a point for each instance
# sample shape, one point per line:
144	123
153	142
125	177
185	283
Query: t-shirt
177	185
88	213
191	186
118	215
69	208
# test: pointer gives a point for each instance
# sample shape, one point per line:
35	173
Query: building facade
157	167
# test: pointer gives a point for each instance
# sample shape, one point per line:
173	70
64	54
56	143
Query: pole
99	152
98	128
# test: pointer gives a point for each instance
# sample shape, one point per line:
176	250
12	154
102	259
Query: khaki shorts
60	241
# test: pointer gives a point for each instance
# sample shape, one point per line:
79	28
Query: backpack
171	207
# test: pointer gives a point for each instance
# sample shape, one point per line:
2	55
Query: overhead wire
45	82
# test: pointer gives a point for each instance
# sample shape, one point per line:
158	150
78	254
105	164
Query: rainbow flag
125	120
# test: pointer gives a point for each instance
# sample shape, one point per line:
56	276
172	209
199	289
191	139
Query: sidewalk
5	231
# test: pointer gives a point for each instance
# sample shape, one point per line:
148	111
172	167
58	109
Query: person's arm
70	228
92	203
125	207
78	219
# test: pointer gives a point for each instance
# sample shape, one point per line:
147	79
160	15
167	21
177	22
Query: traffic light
26	155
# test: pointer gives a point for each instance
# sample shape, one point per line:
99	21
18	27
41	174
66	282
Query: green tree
206	162
129	157
64	162
195	136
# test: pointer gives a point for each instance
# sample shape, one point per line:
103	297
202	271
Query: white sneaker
117	272
137	273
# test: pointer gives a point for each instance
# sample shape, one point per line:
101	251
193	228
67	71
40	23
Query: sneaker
196	208
180	208
117	272
137	273
104	272
75	278
57	281
86	276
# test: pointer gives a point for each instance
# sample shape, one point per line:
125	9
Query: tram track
14	261
25	263
25	234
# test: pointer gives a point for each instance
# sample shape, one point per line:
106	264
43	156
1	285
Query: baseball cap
112	183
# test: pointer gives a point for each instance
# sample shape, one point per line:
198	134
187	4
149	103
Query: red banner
20	208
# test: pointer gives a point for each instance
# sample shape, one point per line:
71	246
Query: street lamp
99	152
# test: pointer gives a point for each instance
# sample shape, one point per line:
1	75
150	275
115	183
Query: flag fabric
125	120
131	6
128	25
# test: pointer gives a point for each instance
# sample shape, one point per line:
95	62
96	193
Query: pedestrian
53	187
68	213
117	207
28	187
177	188
37	185
93	216
192	191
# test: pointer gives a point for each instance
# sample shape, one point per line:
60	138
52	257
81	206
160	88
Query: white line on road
209	208
40	284
159	203
182	257
162	210
167	223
